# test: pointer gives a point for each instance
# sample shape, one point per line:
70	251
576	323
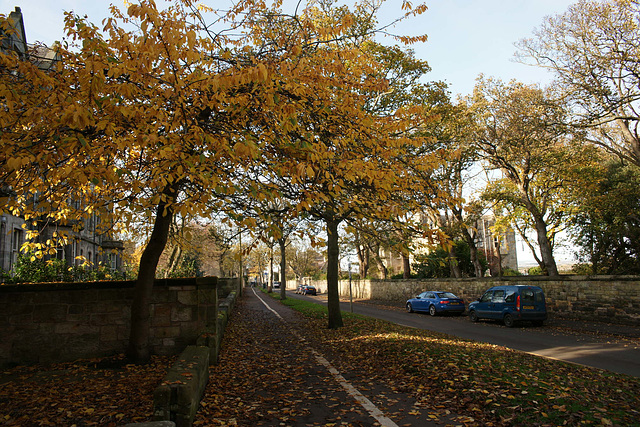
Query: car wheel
432	310
473	316
409	307
508	320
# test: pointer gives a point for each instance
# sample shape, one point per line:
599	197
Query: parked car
510	304
436	302
276	285
309	290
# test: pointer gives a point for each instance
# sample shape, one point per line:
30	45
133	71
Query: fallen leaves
263	378
488	384
95	392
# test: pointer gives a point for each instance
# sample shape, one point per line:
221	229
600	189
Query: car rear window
531	295
446	295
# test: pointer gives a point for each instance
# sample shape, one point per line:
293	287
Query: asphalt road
584	349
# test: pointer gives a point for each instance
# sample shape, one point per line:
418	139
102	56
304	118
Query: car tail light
444	302
518	303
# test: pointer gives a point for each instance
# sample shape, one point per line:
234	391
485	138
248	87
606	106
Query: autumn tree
606	227
405	75
453	211
275	223
592	50
521	134
341	166
304	260
138	117
158	113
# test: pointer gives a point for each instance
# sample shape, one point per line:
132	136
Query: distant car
510	304
436	302
276	285
309	290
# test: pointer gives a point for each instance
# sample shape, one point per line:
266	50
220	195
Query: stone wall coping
107	284
178	396
563	277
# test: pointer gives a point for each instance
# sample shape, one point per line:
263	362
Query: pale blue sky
470	37
466	37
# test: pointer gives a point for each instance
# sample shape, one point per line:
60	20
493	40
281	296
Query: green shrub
5	277
535	271
583	269
37	270
436	263
510	272
190	266
86	273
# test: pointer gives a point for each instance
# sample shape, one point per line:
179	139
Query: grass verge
484	383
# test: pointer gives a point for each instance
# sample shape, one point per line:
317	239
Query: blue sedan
436	302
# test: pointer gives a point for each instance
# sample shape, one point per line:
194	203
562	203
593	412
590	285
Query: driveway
589	349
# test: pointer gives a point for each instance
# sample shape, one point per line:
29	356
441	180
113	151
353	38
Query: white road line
353	392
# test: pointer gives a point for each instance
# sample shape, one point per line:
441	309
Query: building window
74	253
3	227
113	261
17	239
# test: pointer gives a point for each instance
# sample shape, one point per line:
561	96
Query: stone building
499	249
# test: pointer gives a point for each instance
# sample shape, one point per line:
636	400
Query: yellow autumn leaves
158	106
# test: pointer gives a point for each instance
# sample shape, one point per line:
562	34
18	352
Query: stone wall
615	298
50	322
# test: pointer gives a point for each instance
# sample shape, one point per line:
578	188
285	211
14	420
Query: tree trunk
473	252
375	250
546	252
270	282
241	282
499	256
454	265
406	266
333	253
283	268
363	260
138	351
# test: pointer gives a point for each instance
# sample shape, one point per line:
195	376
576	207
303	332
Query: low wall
53	322
609	297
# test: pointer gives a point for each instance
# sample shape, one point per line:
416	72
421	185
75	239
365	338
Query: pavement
273	373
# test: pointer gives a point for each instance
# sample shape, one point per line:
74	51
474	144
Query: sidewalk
270	375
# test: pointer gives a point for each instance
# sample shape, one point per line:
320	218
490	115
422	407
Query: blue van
510	304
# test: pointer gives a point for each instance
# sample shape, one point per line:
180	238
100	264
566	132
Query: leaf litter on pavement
101	392
260	379
481	383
